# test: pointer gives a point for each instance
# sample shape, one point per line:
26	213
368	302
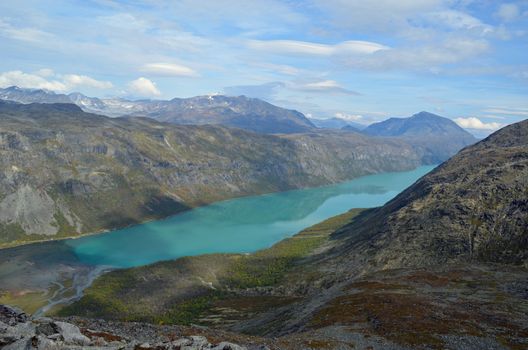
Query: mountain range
252	114
241	112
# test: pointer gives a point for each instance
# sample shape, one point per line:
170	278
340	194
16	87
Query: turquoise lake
241	225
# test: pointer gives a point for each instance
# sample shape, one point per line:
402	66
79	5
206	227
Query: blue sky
362	60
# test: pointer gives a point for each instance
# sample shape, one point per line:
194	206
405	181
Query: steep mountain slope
439	138
472	207
241	112
67	172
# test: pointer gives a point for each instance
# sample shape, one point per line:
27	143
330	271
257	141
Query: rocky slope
474	207
439	138
443	265
241	112
19	331
67	172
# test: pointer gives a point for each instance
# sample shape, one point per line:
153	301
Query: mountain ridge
235	111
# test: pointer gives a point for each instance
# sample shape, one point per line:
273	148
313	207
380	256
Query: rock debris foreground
18	331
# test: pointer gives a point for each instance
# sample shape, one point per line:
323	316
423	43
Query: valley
263	175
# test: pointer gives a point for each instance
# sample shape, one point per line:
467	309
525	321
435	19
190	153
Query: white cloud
315	49
475	123
74	80
143	87
329	86
26	80
522	112
47	79
169	69
350	117
508	12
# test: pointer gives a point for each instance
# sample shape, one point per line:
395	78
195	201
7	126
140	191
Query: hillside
443	265
473	207
439	138
68	172
241	112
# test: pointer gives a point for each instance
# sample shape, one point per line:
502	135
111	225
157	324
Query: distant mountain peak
439	137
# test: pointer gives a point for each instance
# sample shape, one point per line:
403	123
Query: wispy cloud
169	70
27	34
508	12
315	49
324	86
521	112
429	58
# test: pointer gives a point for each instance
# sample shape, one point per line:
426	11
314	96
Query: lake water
239	225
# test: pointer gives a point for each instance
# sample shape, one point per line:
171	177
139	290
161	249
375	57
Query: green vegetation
182	290
268	267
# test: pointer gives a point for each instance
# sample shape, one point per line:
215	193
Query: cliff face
67	172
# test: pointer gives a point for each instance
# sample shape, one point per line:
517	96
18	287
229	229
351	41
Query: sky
360	60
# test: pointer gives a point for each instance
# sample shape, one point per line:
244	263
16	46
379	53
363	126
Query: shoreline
64	259
108	230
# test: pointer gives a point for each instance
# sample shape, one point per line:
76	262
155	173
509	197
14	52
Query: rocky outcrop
18	331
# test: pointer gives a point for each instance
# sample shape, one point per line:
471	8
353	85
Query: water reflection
238	225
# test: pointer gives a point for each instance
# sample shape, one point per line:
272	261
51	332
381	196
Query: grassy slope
183	290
